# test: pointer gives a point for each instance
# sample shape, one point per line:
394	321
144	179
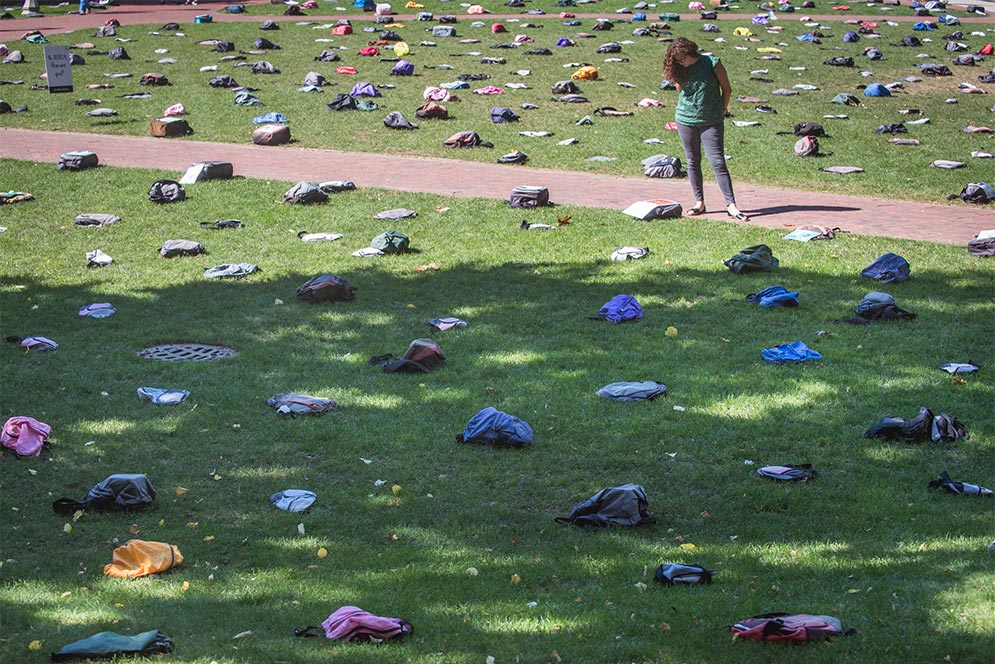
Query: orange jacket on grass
139	558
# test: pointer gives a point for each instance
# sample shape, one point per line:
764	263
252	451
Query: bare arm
723	78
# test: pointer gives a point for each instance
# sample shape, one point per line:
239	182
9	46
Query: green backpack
391	242
757	258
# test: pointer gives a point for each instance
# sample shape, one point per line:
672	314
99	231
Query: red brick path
768	206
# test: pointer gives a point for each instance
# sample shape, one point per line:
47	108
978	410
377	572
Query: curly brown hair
672	68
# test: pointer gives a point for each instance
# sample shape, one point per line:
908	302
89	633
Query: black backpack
117	492
501	114
342	102
900	428
975	192
674	573
325	288
959	488
809	129
625	505
77	161
167	191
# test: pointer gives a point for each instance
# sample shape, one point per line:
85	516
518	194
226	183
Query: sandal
739	216
694	211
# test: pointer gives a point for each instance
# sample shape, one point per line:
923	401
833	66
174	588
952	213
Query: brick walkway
768	206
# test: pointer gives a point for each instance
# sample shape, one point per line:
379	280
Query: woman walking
702	105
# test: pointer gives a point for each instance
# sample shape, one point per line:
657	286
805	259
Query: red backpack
788	627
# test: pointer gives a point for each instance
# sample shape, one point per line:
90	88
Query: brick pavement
768	206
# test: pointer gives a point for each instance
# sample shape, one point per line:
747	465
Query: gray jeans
712	138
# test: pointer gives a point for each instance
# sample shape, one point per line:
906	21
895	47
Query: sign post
58	69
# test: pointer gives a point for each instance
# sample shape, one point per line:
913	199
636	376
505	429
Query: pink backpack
25	435
351	623
788	627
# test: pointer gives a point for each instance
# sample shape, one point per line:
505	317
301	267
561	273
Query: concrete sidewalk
768	206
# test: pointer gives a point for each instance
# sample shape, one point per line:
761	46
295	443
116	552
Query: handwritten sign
58	69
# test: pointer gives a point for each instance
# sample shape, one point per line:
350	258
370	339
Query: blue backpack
492	427
620	309
887	268
876	90
774	296
501	114
402	68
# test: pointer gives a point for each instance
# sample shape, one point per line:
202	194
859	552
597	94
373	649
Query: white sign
58	69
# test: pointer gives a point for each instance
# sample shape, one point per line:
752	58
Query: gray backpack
174	248
625	505
305	193
167	191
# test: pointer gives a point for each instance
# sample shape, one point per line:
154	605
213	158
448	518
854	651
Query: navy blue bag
501	114
620	309
794	352
492	427
888	268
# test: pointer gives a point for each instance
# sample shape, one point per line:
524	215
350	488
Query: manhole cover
187	352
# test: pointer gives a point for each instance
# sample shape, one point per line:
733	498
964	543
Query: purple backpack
402	68
364	89
351	623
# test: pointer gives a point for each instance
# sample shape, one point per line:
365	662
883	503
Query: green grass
866	541
760	155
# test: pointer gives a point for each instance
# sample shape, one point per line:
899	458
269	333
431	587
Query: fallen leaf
77	515
134	529
185	586
242	635
209	538
34	645
959	381
180	491
688	546
193	524
515	579
68	528
216	477
671	331
564	220
300	528
472	571
366	461
396	489
393	537
32	471
322	552
664	626
641	586
555	656
66	594
442	208
162	522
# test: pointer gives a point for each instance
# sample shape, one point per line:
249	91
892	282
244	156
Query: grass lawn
760	154
909	568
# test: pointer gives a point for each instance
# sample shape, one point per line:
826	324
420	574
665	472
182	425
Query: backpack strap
311	631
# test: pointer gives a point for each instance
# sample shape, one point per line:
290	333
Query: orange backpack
139	558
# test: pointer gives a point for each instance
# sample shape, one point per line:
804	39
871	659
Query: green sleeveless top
700	101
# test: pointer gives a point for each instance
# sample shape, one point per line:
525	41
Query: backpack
325	288
888	268
443	31
516	157
107	645
806	146
167	191
757	258
983	247
432	111
586	73
118	54
620	309
633	391
263	44
659	208
350	623
263	67
96	219
271	134
402	68
328	56
880	306
466	139
675	573
391	242
610	47
223	46
24	435
602	24
976	192
342	29
662	166
290	404
210	170
154	80
169	127
224	81
527	196
840	61
787	627
342	102
500	114
565	88
364	89
139	558
959	488
77	161
774	296
625	505
305	193
947	428
422	356
174	248
116	492
809	129
796	473
293	500
394	120
492	427
899	428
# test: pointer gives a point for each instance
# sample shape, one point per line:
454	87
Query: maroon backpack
788	627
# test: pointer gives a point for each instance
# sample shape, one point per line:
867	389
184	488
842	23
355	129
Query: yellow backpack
140	558
585	74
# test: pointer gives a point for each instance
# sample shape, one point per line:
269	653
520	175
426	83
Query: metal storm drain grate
187	352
